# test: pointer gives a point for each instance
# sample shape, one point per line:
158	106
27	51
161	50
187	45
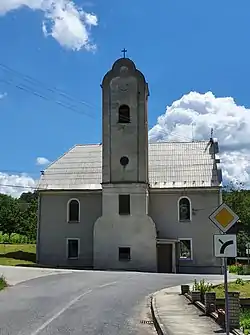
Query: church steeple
125	228
125	124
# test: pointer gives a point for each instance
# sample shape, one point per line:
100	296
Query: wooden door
164	258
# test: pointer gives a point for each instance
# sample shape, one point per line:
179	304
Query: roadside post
225	245
248	251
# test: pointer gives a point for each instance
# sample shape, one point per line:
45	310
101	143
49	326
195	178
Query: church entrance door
166	258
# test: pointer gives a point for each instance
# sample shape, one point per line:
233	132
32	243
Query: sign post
248	251
225	245
226	297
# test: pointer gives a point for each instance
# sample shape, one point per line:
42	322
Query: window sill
73	258
185	221
185	259
124	260
123	214
73	221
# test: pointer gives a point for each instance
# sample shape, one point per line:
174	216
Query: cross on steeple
124	51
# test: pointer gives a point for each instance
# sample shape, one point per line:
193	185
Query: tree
10	215
29	204
28	197
238	199
29	220
19	215
242	240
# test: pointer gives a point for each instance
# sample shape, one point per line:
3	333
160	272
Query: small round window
124	160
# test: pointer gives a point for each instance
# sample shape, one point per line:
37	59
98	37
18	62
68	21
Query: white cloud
3	95
195	114
192	116
15	184
63	20
42	161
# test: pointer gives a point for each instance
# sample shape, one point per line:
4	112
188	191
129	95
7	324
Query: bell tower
125	233
125	124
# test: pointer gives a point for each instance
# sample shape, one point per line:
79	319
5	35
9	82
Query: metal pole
226	297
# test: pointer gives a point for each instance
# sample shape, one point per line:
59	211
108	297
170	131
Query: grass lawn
17	254
243	287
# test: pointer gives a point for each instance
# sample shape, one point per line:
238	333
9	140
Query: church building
128	204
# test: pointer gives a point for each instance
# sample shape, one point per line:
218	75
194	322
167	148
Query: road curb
160	328
155	316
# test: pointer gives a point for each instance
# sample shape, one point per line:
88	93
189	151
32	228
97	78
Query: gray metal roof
171	165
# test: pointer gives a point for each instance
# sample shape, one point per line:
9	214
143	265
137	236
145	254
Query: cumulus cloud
15	185
63	20
42	161
190	118
193	116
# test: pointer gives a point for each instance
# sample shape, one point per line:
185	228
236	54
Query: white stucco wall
136	231
54	229
163	208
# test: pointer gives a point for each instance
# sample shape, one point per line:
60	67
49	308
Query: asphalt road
88	302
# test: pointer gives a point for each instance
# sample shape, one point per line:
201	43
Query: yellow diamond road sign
224	218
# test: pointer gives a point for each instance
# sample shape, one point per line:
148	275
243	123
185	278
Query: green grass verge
242	286
17	254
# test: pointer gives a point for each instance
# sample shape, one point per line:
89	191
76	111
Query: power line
73	108
20	172
29	80
28	90
33	81
18	186
53	90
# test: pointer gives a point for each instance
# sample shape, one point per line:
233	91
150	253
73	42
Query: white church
127	204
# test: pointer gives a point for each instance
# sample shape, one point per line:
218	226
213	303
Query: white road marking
108	284
72	302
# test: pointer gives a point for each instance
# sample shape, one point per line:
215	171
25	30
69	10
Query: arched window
73	210
184	209
124	114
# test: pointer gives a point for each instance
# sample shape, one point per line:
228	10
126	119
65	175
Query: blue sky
180	46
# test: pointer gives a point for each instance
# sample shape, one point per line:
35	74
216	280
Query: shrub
237	268
246	269
240	281
16	239
245	321
202	287
240	269
233	268
3	283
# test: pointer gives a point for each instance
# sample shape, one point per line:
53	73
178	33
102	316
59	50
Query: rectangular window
73	248
124	254
124	204
186	249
